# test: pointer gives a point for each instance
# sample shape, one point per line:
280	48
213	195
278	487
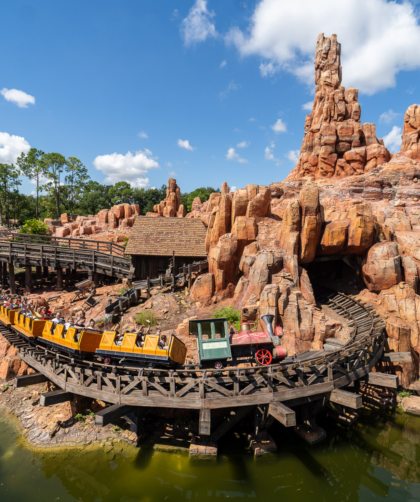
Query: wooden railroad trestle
56	257
315	374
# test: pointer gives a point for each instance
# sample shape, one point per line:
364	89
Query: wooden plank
283	414
346	398
204	427
383	380
110	414
55	397
397	357
23	381
230	421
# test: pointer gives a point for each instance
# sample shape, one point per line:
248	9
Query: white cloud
388	117
243	144
169	164
184	143
284	34
232	155
198	25
293	156
268	154
393	139
223	64
231	87
236	130
20	98
308	106
11	147
233	189
252	119
142	134
172	173
129	167
279	126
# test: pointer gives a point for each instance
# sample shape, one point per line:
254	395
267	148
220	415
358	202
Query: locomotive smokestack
268	319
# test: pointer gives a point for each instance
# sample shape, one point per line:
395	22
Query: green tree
121	193
149	198
95	197
9	181
204	193
75	181
54	165
31	165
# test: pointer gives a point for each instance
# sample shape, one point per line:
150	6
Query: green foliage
403	393
204	193
233	316
141	318
90	413
79	417
117	428
34	227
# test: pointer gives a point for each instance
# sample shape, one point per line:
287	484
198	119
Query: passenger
67	325
81	320
141	335
57	319
163	342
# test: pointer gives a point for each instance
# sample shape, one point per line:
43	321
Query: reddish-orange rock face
335	142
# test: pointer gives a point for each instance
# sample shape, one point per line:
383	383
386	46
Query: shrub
34	227
404	393
141	318
233	316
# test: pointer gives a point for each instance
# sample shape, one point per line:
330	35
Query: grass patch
141	318
232	315
403	393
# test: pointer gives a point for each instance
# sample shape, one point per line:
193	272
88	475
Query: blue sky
190	75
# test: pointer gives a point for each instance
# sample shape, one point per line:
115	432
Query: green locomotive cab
213	343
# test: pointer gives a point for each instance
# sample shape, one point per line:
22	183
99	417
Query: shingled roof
161	236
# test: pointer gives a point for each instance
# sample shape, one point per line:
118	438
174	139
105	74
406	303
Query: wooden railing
21	254
64	242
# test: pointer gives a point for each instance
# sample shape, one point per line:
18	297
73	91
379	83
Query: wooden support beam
12	278
397	357
23	381
110	414
38	272
59	285
383	380
232	420
283	414
204	427
4	275
55	397
28	278
347	399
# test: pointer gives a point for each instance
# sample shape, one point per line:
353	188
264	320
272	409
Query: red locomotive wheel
107	360
263	357
218	365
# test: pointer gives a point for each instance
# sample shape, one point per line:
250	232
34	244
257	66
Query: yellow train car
149	354
74	341
7	315
28	326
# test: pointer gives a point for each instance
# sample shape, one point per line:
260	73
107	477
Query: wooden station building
155	240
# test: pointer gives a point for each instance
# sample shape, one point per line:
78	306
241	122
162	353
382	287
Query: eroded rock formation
171	205
336	143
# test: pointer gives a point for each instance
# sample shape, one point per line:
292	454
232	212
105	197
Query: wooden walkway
301	380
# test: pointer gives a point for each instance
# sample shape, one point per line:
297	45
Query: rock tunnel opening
339	273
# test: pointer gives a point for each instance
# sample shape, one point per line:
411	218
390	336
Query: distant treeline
62	185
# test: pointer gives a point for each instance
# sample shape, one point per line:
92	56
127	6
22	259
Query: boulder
203	289
62	231
245	230
260	204
334	238
381	268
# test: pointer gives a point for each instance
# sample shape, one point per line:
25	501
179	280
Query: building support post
59	285
28	278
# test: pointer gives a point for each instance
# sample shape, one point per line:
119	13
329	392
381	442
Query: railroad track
310	374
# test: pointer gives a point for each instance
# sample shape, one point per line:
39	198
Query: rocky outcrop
335	142
410	136
382	266
169	207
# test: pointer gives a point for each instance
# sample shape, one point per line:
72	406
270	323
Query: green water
377	458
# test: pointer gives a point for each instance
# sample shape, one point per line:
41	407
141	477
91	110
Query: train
216	347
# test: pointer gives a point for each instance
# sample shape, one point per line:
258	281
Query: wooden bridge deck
320	373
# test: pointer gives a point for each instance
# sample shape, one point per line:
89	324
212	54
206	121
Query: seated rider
81	320
67	325
141	335
163	342
118	336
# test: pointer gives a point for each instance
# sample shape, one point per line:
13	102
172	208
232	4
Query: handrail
100	246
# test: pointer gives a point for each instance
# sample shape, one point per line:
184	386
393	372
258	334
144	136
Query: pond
376	458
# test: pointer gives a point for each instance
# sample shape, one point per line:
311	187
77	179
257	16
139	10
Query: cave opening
339	273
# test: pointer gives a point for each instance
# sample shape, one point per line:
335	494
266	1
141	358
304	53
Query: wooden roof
161	236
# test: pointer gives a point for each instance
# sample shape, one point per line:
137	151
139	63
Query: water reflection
375	458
